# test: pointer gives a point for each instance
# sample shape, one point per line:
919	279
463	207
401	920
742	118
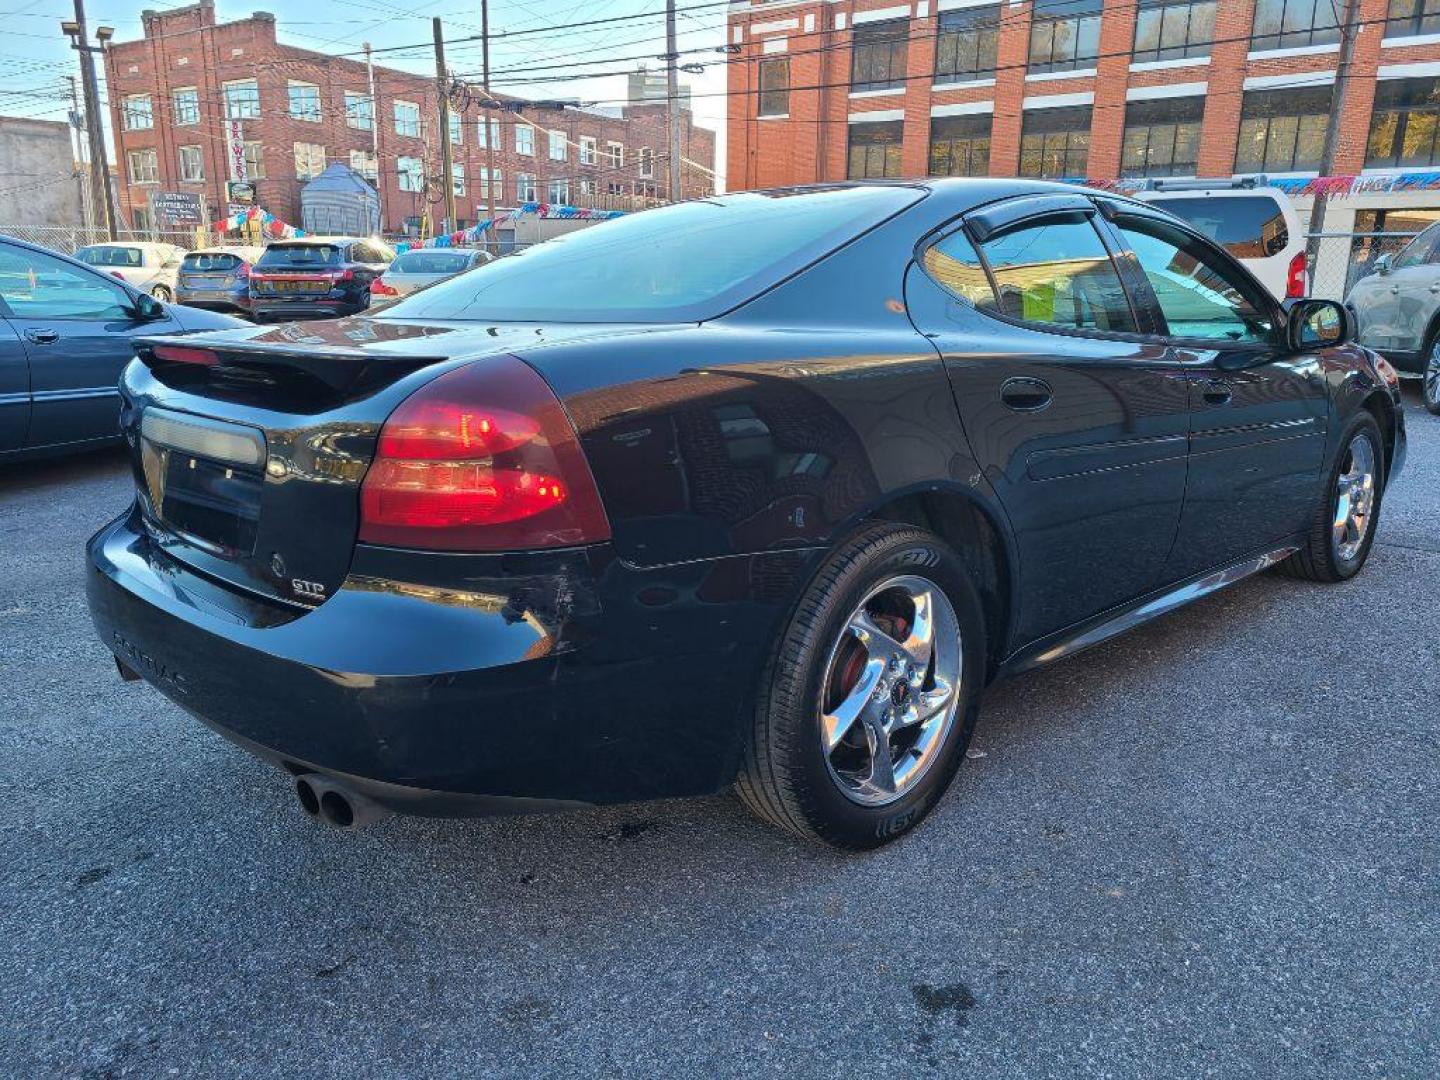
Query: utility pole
1348	33
492	242
672	98
442	87
375	135
77	147
99	164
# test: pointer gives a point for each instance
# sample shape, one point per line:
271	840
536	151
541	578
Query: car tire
795	773
162	293
1334	552
1430	377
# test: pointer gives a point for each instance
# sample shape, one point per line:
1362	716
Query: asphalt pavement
1209	848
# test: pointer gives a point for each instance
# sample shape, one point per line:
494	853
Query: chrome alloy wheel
1432	376
891	689
1354	498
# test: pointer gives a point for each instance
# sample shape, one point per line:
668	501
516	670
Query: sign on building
235	149
177	209
240	193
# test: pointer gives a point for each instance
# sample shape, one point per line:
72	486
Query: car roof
153	244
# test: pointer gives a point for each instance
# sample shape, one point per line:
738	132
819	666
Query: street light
74	29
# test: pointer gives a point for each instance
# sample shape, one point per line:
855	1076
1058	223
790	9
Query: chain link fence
1345	258
70	240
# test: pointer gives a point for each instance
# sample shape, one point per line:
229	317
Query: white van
1255	223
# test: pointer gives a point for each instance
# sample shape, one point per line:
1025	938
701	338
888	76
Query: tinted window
111	256
1419	250
1247	227
432	262
1056	272
201	261
1200	296
36	286
686	262
299	256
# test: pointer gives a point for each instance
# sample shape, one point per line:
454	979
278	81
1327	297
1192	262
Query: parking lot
1207	848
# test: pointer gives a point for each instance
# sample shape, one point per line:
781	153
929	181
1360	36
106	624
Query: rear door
75	325
1259	411
1076	410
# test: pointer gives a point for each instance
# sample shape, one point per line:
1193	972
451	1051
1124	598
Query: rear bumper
304	309
214	299
559	687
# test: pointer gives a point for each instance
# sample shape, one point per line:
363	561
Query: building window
960	145
139	113
615	188
364	163
192	163
487	133
877	55
1294	24
411	173
457	129
1065	35
524	139
486	191
187	107
559	192
144	167
775	87
407	119
1282	130
587	150
557	146
967	45
875	149
1173	29
587	188
525	188
615	153
305	102
1410	18
309	160
1162	137
647	162
242	100
254	161
359	111
457	178
1405	123
1055	143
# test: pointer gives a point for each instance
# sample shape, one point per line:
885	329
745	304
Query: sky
35	57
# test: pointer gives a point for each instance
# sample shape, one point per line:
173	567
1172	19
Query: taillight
343	275
242	271
483	458
184	354
379	288
1295	277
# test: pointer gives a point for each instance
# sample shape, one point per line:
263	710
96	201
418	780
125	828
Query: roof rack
1243	183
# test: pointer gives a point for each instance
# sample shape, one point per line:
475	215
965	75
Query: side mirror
148	309
1318	324
1384	264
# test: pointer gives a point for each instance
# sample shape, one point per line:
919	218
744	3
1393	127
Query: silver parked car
1397	310
416	269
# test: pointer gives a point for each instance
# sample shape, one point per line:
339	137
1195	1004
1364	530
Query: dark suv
316	278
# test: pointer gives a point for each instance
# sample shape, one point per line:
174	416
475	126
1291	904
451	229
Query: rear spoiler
343	370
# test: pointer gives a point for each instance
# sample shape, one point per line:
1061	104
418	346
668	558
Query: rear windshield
201	261
432	262
111	256
684	263
1247	227
300	256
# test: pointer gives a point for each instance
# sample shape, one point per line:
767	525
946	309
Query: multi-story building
174	91
1084	89
41	182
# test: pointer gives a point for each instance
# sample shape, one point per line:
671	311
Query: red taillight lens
1295	277
242	271
483	458
379	288
182	354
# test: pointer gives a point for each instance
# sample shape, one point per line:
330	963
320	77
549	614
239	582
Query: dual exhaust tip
336	805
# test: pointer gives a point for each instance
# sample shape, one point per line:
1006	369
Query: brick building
1098	89
172	91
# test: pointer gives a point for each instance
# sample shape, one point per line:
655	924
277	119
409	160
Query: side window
1200	296
36	286
1419	250
1054	272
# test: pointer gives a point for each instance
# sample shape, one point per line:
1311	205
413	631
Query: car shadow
19	477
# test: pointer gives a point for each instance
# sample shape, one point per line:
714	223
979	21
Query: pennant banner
538	209
272	225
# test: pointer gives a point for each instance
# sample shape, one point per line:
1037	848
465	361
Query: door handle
1024	394
1395	289
1435	287
42	337
1216	392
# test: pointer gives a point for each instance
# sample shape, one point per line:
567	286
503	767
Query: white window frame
488	138
526	189
359	111
197	157
558	145
255	160
399	130
563	186
137	118
647	163
307	115
486	179
457	129
192	94
525	139
310	172
152	159
457	178
615	154
416	175
365	163
241	108
588	153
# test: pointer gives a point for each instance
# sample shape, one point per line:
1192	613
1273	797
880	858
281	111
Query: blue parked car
217	278
65	335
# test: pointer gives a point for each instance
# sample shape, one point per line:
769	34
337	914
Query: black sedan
759	490
66	332
316	278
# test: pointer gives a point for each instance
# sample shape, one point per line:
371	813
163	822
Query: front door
14	388
1079	415
1394	310
1259	411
